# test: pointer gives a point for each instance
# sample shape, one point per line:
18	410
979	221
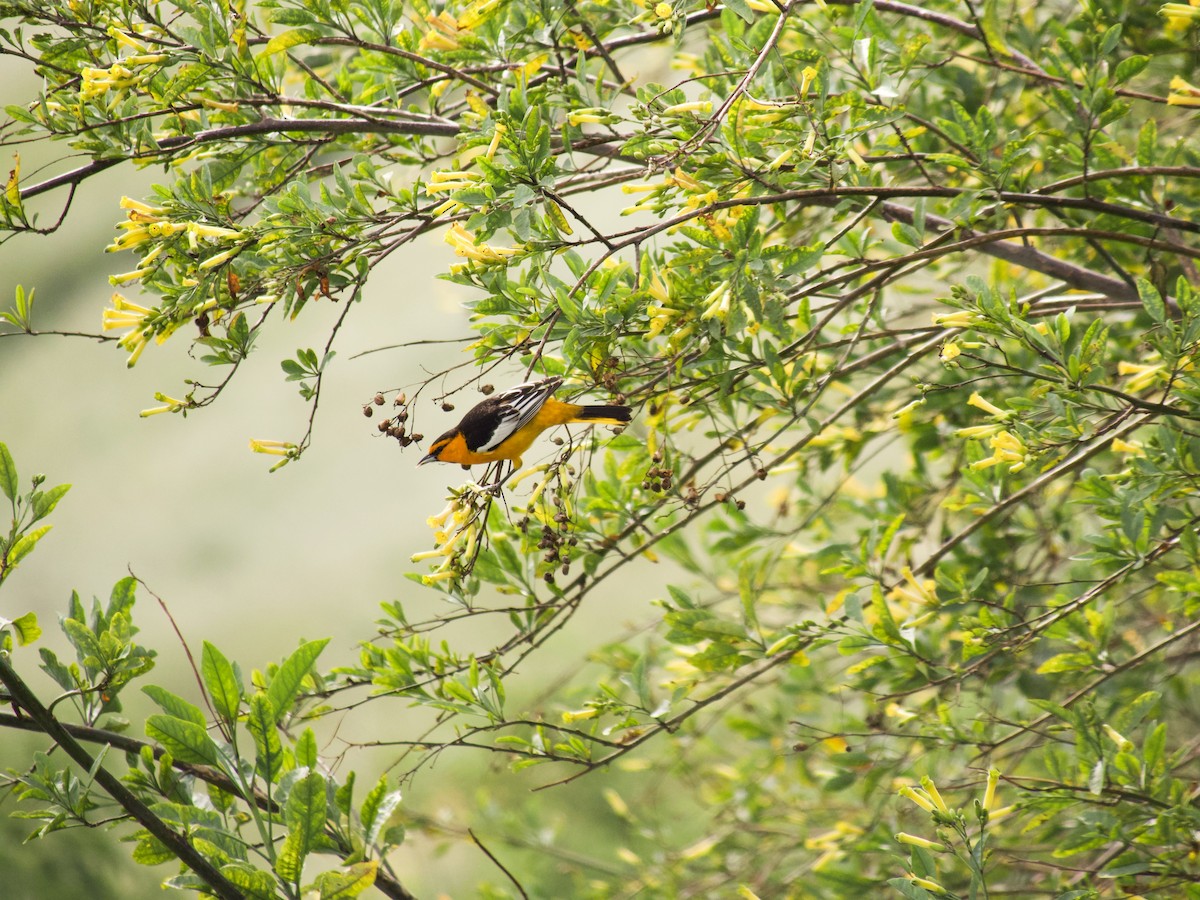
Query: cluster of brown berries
393	427
556	543
658	477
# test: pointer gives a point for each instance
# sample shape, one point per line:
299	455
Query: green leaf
26	629
261	723
350	883
224	687
287	40
8	473
173	705
150	851
1128	68
305	816
255	884
122	596
377	808
305	750
84	641
1065	662
286	684
186	741
24	546
45	501
56	670
1152	300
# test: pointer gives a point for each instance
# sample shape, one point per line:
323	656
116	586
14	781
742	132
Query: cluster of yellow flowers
466	244
831	843
1141	375
929	798
1007	448
917	599
446	29
126	73
662	16
456	531
695	194
1180	17
147	223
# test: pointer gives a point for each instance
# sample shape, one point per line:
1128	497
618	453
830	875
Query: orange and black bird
503	426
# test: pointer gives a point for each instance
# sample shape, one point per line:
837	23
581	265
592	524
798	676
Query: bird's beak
428	457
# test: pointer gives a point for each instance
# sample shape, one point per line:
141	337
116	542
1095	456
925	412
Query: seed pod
379	400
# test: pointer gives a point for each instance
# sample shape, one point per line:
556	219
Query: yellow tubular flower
445	207
272	448
588	116
501	128
921	799
1179	12
989	792
1133	448
807	76
978	431
644	187
686	181
1143	375
961	319
704	107
576	715
1123	743
934	795
137	206
465	244
914	841
991	409
932	886
1182	93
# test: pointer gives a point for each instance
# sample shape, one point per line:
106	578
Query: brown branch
432	127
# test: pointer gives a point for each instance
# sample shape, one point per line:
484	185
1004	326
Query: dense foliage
904	298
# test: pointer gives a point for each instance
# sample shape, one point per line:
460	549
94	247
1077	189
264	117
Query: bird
504	425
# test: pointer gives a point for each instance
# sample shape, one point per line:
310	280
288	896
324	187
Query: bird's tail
604	415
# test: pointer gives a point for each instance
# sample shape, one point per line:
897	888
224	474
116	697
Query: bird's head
436	448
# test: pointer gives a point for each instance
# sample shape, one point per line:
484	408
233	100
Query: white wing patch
517	407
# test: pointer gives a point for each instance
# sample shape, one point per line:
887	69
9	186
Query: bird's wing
516	407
